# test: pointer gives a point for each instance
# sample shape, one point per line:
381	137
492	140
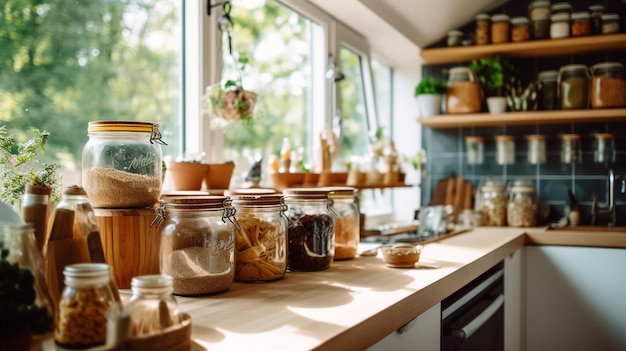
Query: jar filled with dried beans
522	205
347	226
463	94
520	29
608	85
494	203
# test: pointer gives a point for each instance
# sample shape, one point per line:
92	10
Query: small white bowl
401	255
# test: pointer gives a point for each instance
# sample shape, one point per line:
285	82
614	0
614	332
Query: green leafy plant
493	74
19	166
429	85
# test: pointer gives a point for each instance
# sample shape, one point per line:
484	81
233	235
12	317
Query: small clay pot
218	175
187	175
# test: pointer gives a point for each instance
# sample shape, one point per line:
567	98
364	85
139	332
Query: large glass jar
483	23
86	306
152	307
261	237
197	243
347	226
522	205
574	87
608	85
122	164
311	233
464	94
547	97
494	202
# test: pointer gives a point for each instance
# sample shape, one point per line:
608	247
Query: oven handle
471	327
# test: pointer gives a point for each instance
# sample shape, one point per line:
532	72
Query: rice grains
112	188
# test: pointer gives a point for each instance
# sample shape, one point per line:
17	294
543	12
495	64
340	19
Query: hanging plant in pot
429	93
492	73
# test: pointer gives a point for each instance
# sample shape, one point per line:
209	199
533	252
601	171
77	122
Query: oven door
473	318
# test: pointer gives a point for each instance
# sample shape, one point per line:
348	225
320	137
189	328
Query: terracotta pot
281	181
311	179
218	175
187	175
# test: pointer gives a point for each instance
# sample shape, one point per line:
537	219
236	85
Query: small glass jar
561	7
454	38
494	202
580	24
463	93
347	226
86	305
571	151
261	238
560	26
475	150
595	18
122	164
539	13
610	23
500	29
152	307
547	90
604	148
311	234
522	206
536	149
520	29
608	85
505	149
574	87
483	24
197	243
539	8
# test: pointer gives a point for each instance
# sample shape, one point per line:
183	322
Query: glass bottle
595	19
536	148
560	25
520	29
152	307
493	203
86	306
608	85
604	148
522	206
548	91
261	238
197	243
311	234
463	94
347	225
574	87
475	150
505	149
580	24
571	151
483	23
122	164
500	29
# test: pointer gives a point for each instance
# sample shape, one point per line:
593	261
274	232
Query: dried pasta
260	250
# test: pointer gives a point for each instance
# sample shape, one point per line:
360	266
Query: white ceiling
397	29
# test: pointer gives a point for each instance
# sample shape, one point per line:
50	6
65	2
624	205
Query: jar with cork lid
475	150
571	151
536	149
505	149
604	148
493	202
522	204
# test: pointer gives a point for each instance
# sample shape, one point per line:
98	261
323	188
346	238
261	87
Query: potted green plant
493	73
429	93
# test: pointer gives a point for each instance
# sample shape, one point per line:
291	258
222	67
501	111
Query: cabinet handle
471	327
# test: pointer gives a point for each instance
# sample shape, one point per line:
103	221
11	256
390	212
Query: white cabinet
575	298
513	301
423	333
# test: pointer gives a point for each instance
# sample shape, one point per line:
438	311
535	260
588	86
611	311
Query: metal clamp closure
155	135
160	214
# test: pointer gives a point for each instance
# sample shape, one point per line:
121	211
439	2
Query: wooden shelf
524	118
528	49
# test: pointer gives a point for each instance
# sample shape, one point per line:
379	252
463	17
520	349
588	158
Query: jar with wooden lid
483	24
610	23
574	87
536	149
500	29
571	151
311	234
493	203
347	225
580	24
152	307
197	243
261	237
505	149
547	90
475	150
520	29
463	93
522	205
604	148
560	26
122	164
595	18
608	85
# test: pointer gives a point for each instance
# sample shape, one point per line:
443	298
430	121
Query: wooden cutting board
455	191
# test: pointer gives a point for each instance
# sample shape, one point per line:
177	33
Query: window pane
65	63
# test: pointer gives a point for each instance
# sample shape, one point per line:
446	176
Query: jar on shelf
608	85
522	205
261	237
197	243
500	29
574	87
347	226
505	149
560	26
561	7
536	149
493	203
87	288
604	148
520	29
122	164
454	38
547	90
483	24
539	13
595	18
610	23
580	24
475	150
152	307
571	151
463	93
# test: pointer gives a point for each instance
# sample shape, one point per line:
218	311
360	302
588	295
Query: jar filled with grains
121	164
522	206
494	203
547	90
505	149
580	24
463	93
604	148
571	151
483	23
539	14
608	85
574	87
475	150
560	26
197	243
595	18
311	235
536	149
520	29
610	23
347	227
500	29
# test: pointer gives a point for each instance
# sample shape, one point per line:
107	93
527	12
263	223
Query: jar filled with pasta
311	234
197	243
152	307
522	205
494	202
463	94
261	237
347	227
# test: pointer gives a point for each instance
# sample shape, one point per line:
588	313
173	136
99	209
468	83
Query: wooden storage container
130	246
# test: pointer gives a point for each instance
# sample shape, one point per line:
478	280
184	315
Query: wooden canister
130	245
